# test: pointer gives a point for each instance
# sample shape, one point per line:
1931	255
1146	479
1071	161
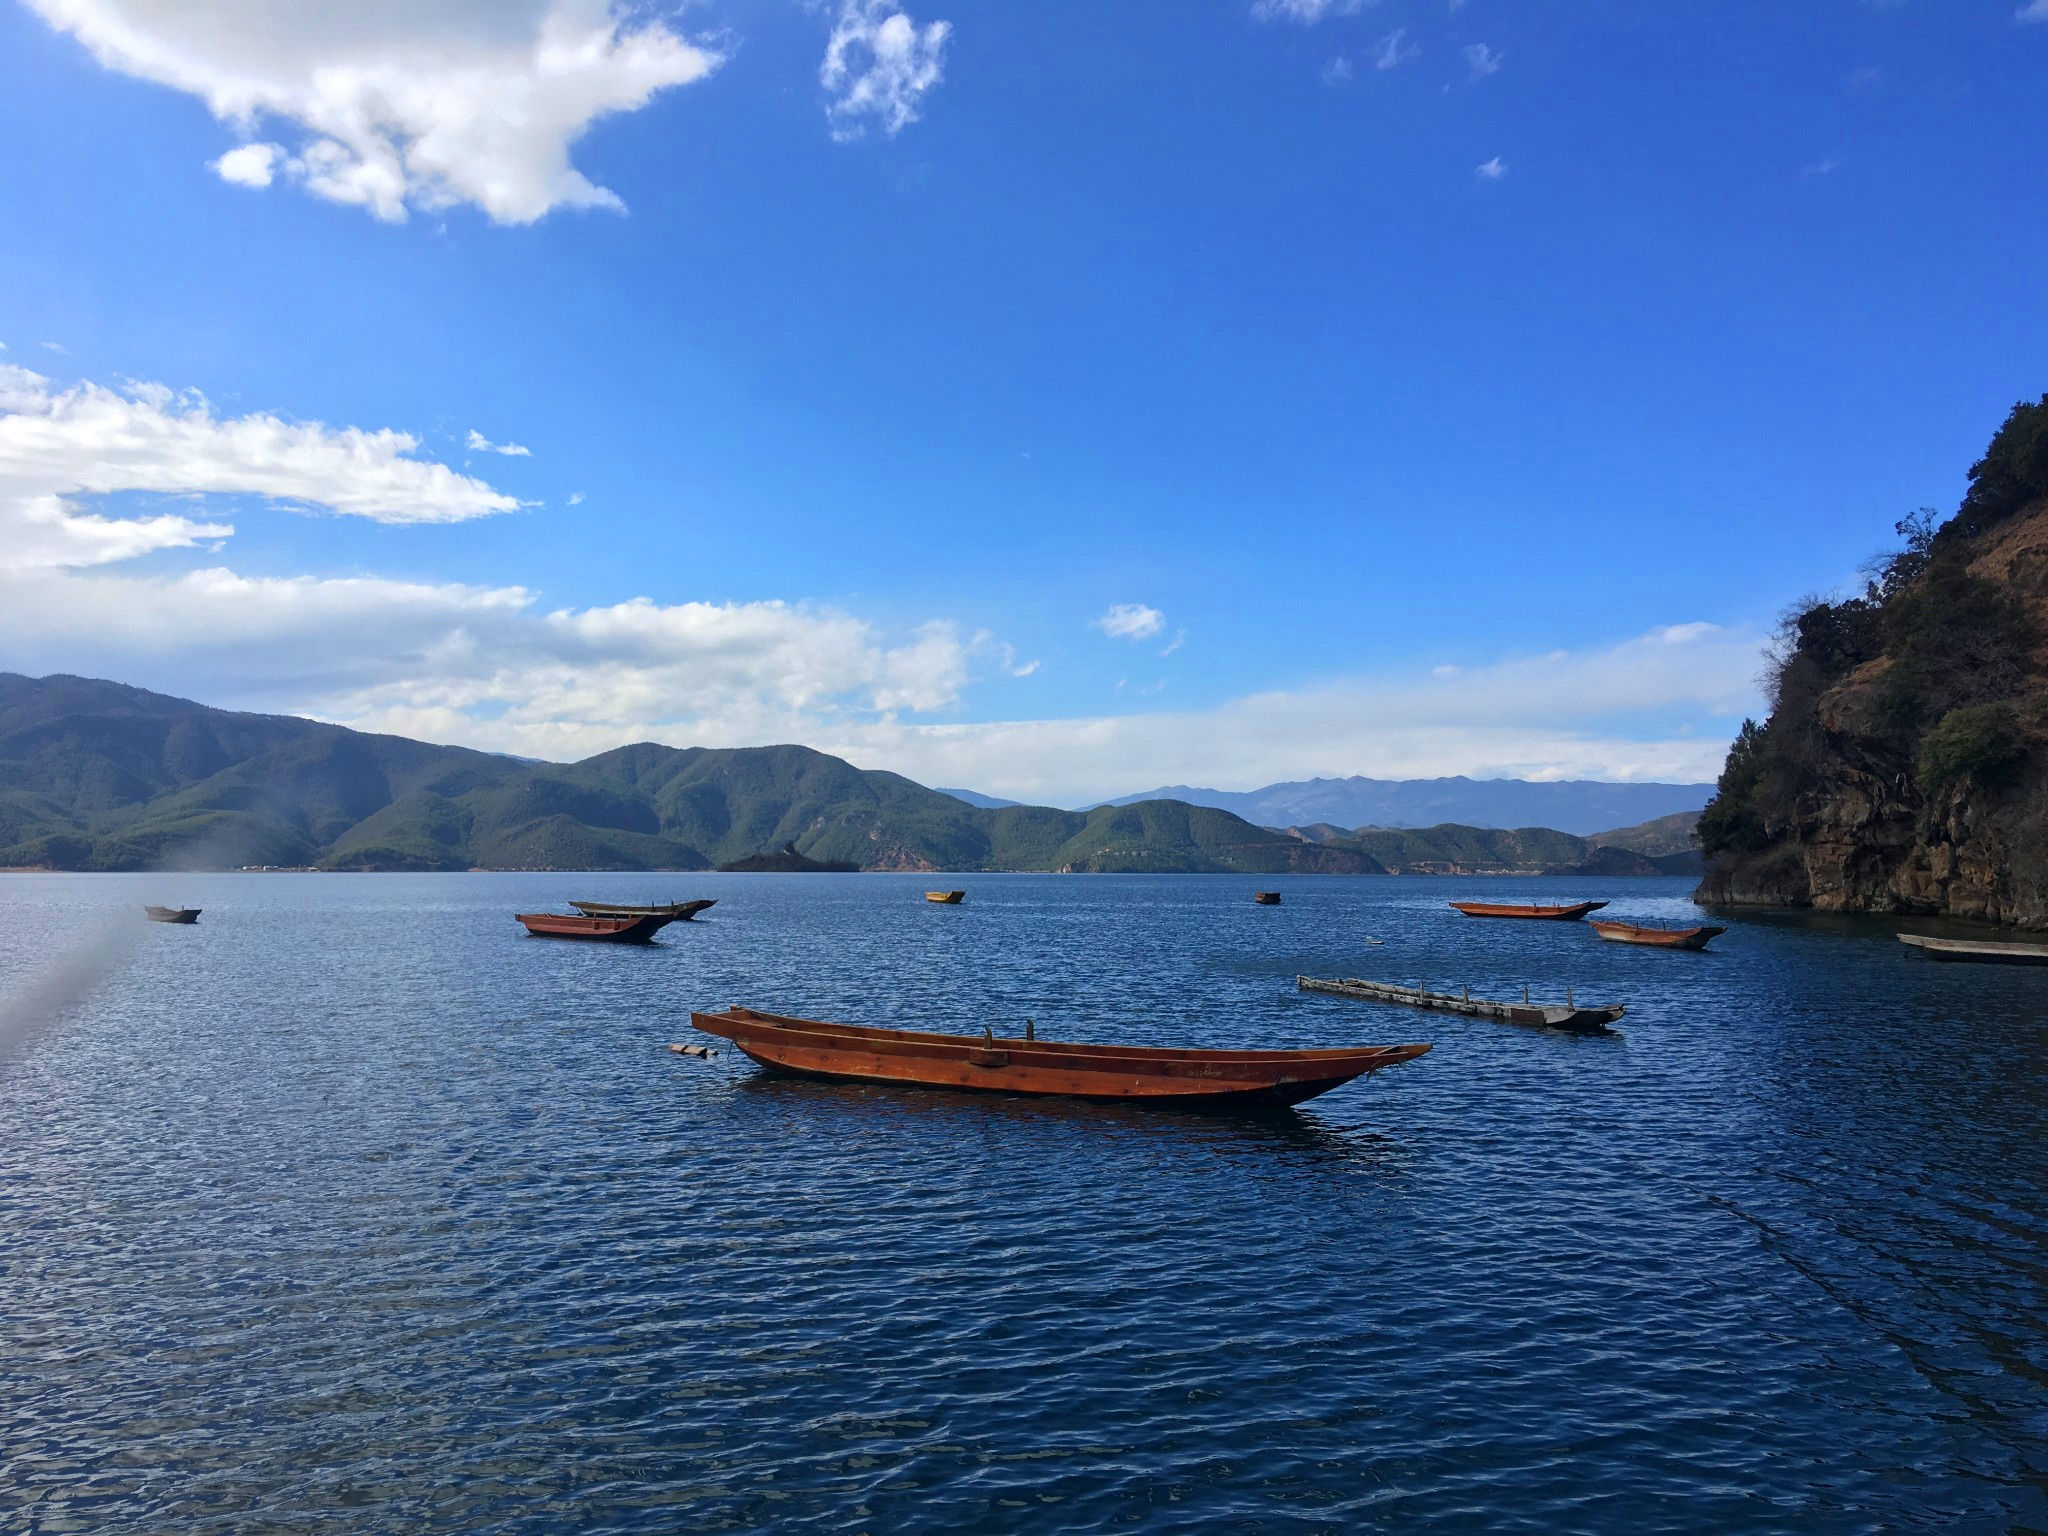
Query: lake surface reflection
353	1209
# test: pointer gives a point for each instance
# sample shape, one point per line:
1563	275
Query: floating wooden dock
1568	1016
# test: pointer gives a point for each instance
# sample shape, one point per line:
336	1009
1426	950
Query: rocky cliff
1904	767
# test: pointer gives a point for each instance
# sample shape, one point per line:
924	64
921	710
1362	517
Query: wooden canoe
1982	951
609	930
678	911
1571	1017
946	898
1192	1079
1661	938
1570	914
1266	898
172	914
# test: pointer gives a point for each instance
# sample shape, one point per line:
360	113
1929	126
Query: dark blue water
352	1209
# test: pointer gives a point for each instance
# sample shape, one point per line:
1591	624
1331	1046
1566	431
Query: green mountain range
95	775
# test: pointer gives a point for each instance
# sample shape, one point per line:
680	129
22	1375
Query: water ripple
352	1209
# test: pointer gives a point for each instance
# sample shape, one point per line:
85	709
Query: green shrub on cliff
1732	821
1954	650
2013	471
1982	743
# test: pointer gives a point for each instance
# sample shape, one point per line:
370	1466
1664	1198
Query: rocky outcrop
1905	766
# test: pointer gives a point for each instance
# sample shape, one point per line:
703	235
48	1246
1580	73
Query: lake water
353	1209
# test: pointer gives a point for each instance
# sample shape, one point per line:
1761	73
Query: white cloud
427	104
1493	170
1394	50
1483	60
1337	71
57	347
478	443
1660	706
2037	10
878	66
251	165
1306	12
575	498
1131	621
485	666
57	444
1826	167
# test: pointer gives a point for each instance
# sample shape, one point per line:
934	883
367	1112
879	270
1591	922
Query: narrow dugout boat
1266	898
1570	1016
172	914
676	911
608	930
1660	938
946	898
1566	914
1174	1078
1982	951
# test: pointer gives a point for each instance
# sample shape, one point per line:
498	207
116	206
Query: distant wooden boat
1266	898
946	898
172	914
1661	938
1570	1017
1982	951
676	911
609	930
1570	914
1193	1079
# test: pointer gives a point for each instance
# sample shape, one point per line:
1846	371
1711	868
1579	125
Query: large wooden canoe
679	911
1569	914
946	898
608	930
1661	938
1193	1079
1982	951
1571	1017
172	914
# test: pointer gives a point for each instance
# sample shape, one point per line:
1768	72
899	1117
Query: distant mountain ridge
97	775
1578	806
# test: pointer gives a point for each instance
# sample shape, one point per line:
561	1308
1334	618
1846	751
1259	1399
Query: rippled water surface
353	1209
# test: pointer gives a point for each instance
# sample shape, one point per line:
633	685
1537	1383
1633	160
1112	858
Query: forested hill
1902	767
95	775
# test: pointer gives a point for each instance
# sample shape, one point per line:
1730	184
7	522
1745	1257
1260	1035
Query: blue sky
1058	399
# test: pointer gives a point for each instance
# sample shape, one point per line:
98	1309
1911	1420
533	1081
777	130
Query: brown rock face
1866	836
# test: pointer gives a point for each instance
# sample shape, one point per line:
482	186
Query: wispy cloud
1483	61
1492	170
425	105
1131	621
1306	12
879	66
2036	11
478	443
1826	167
59	444
1337	71
1661	705
1394	50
